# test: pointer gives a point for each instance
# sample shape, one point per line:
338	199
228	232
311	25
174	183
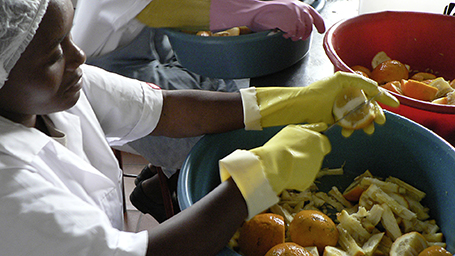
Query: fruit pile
371	217
399	78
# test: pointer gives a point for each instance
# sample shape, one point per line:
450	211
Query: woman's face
47	77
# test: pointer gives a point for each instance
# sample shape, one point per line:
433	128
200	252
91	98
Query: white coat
67	200
100	27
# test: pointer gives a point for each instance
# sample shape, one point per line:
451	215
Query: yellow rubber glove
189	14
289	160
276	106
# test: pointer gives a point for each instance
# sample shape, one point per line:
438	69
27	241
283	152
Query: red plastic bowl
422	40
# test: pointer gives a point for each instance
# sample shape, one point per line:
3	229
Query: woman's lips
76	84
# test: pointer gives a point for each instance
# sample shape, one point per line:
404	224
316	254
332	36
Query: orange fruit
442	85
361	70
245	30
418	90
442	100
353	194
259	234
379	58
422	76
435	250
288	249
409	244
358	72
355	190
389	70
235	31
393	86
347	100
313	228
204	33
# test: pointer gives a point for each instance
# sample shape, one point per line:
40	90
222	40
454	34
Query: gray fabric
150	58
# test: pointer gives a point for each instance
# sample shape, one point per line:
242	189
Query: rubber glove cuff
246	170
251	111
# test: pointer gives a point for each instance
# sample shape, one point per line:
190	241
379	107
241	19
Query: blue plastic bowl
235	57
400	148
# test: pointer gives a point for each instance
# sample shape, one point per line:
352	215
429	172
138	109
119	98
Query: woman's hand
294	18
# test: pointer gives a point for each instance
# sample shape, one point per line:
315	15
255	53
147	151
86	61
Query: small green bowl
235	57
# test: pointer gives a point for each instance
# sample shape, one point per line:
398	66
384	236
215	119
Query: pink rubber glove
293	17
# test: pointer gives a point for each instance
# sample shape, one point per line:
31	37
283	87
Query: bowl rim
184	194
177	33
339	63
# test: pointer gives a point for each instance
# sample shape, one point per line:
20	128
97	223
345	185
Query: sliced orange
422	76
362	70
393	86
354	193
355	190
435	250
442	85
347	100
442	100
450	98
358	72
235	31
409	244
389	70
418	90
379	58
204	33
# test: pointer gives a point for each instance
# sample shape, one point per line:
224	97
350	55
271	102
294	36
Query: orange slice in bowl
410	244
418	90
435	250
361	70
389	70
393	86
379	58
349	99
422	76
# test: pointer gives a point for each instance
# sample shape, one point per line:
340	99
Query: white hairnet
19	20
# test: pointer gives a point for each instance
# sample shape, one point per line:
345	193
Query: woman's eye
57	56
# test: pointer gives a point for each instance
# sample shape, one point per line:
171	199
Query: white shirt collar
21	141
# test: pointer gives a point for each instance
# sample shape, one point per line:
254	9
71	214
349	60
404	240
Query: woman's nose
76	56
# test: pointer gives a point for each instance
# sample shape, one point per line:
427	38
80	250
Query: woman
125	37
60	184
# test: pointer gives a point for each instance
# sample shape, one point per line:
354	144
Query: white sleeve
36	218
126	108
97	25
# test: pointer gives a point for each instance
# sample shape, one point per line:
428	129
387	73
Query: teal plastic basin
400	148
